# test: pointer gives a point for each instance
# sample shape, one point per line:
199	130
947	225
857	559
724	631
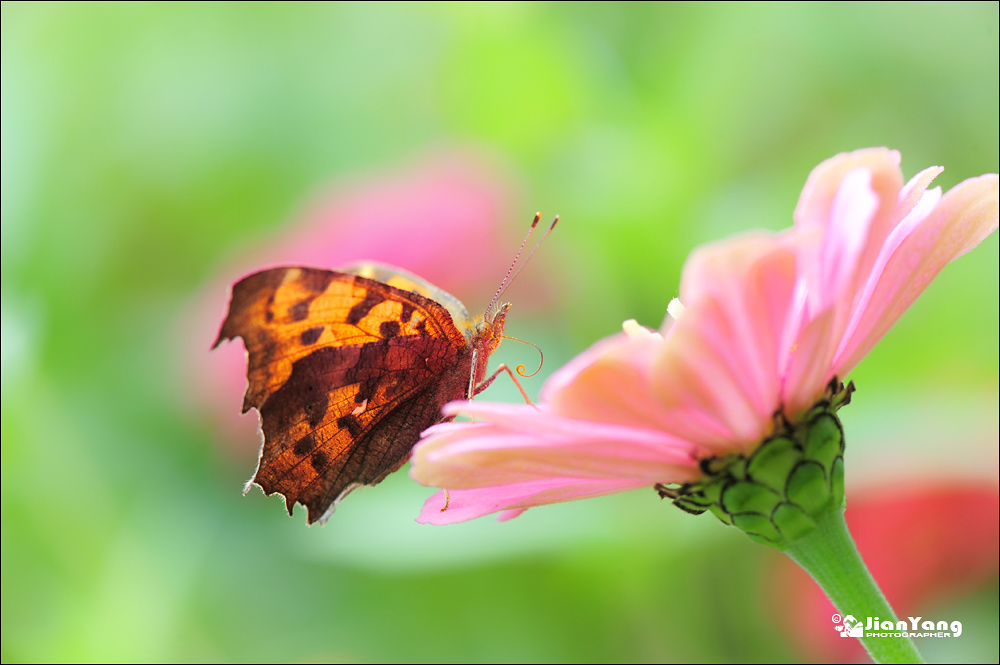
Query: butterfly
347	368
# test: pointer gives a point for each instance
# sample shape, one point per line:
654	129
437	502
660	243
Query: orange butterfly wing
345	372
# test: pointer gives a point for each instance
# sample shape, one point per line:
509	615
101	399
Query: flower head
767	322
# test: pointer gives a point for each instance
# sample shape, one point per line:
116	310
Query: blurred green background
145	147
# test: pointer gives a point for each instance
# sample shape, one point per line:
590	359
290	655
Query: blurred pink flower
767	321
442	217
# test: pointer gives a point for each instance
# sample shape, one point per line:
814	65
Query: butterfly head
489	333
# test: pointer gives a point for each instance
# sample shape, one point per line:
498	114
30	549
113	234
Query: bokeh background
152	153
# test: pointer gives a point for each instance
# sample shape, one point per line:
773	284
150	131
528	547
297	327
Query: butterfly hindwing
346	372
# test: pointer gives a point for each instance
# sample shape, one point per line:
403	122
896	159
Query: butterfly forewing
346	372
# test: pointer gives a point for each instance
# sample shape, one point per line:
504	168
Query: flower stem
829	555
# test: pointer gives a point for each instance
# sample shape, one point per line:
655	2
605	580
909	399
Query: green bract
778	493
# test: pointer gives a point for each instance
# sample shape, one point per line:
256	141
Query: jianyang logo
848	626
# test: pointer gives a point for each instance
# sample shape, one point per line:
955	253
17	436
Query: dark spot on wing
315	409
351	424
318	460
407	312
310	336
388	329
304	445
300	310
268	313
361	309
315	281
307	390
366	389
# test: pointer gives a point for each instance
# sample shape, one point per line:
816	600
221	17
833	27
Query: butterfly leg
503	368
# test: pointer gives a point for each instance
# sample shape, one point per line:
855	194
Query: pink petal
514	444
824	181
510	514
911	194
609	382
718	375
918	208
809	369
817	201
851	215
965	216
513	499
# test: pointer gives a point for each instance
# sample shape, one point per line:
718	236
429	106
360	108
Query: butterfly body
347	369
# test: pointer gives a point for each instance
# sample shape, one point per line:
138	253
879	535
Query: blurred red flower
922	541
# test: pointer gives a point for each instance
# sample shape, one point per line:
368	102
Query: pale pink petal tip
513	499
675	308
510	514
457	506
636	331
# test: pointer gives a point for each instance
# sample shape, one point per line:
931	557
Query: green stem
828	554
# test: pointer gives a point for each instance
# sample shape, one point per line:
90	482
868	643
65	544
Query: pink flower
767	321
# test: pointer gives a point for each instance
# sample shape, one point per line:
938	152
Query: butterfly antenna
506	278
508	282
521	368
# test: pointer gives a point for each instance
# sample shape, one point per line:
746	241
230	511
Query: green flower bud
778	493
